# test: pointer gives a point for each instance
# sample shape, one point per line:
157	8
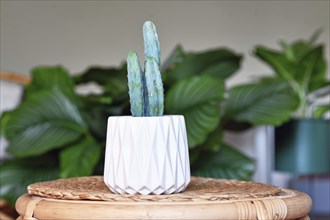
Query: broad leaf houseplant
303	143
146	153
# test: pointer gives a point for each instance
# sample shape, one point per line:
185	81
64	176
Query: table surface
204	198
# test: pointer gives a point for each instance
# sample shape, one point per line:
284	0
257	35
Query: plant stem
303	105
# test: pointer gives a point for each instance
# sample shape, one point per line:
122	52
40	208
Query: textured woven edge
289	205
199	189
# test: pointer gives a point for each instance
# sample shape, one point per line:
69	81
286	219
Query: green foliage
269	102
80	159
17	174
54	121
220	63
225	163
302	65
45	78
44	133
56	132
197	98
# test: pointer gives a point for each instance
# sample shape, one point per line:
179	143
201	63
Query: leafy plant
302	66
56	132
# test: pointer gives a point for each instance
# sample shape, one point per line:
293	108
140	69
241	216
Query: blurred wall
78	34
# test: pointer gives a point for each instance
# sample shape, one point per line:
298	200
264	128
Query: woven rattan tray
204	198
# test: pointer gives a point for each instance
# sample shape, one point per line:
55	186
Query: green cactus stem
154	85
151	42
135	84
146	88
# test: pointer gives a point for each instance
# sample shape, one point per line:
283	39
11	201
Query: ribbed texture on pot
146	155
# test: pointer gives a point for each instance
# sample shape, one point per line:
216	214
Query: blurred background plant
56	132
302	145
302	66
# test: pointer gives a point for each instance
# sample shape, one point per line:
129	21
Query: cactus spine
146	88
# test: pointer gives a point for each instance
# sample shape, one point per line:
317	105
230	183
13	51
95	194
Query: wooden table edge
295	205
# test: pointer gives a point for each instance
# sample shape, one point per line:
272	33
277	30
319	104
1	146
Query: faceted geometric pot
146	155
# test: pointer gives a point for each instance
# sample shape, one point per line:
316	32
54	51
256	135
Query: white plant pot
146	155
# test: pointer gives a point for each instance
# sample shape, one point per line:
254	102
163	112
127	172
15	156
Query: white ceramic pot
146	155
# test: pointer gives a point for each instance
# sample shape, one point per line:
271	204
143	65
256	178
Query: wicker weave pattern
200	189
262	209
89	198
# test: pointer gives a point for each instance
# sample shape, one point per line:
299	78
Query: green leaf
311	68
260	103
221	63
314	86
213	140
228	163
44	121
198	99
79	159
48	77
17	174
276	60
288	52
319	111
299	50
5	116
301	64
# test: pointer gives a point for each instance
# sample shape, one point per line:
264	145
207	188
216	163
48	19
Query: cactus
146	88
151	42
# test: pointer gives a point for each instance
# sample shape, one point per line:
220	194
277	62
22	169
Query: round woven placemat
199	189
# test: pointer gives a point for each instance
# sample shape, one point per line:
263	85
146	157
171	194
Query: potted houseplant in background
302	145
146	153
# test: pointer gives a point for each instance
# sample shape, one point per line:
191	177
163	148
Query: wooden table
205	198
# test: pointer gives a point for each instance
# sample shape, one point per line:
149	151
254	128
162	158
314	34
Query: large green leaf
221	63
48	77
295	51
17	174
268	102
79	159
299	48
311	68
45	120
198	99
277	60
301	63
227	163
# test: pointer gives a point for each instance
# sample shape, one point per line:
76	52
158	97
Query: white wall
78	34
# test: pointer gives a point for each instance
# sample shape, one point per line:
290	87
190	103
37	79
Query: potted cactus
146	153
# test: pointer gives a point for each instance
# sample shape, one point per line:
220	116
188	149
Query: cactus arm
155	91
135	84
151	42
146	90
